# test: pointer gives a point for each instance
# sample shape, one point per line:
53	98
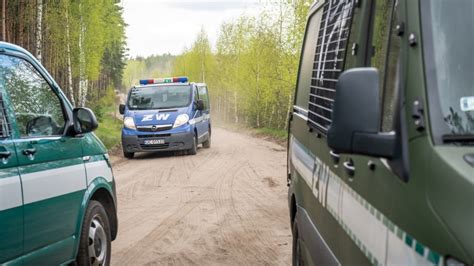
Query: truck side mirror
200	105
122	109
357	114
84	120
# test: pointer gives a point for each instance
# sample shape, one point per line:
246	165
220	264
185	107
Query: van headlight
129	123
181	120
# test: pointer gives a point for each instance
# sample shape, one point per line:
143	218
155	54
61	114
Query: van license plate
154	141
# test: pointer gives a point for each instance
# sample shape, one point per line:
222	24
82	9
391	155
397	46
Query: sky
168	26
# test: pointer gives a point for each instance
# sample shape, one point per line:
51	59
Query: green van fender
102	190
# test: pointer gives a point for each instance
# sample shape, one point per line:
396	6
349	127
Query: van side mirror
84	120
200	105
356	116
122	109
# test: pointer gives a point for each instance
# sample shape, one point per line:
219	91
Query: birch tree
39	28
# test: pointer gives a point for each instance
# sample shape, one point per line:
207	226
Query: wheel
95	242
207	144
193	150
296	256
128	155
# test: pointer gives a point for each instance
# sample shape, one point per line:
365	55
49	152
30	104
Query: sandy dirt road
224	206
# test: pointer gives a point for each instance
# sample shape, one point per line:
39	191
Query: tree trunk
39	28
236	116
4	18
21	21
82	96
70	90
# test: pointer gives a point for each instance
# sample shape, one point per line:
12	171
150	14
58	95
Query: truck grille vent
328	61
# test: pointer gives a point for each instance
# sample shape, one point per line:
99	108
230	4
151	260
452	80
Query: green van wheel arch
98	185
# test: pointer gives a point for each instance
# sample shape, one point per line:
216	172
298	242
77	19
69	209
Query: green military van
381	137
57	191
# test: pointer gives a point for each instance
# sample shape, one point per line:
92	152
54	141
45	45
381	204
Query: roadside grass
278	135
109	130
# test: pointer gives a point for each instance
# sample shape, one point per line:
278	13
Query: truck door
50	164
205	113
351	198
11	201
312	163
198	116
366	183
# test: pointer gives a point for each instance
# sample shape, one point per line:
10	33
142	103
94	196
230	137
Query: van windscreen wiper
464	139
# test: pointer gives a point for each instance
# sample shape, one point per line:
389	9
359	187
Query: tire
297	259
193	150
207	144
128	155
95	243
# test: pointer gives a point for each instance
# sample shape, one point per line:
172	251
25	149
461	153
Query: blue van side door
204	124
50	164
11	200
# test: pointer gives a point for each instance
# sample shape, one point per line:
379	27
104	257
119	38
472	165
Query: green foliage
252	72
95	29
278	134
109	130
151	67
105	106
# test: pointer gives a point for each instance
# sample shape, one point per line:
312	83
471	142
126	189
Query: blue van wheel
193	150
128	155
207	144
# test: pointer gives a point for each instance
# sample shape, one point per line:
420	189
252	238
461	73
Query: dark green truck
381	143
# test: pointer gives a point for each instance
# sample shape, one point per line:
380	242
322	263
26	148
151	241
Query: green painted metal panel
11	206
11	234
58	253
51	221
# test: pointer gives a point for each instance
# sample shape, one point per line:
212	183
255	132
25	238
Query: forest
81	43
250	71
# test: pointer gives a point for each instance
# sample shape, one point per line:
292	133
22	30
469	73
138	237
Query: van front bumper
172	142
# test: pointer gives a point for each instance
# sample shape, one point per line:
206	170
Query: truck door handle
335	157
349	166
5	154
29	152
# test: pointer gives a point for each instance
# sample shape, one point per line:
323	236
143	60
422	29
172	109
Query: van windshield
450	43
159	97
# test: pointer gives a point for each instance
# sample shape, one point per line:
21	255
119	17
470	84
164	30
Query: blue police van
166	114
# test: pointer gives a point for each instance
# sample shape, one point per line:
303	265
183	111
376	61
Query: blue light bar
164	80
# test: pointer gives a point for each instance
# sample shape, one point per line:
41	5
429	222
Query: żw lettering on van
159	117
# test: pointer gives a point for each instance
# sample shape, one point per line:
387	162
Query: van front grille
153	136
154	128
155	146
328	61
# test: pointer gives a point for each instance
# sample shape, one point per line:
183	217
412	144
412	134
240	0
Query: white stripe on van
303	161
10	193
377	237
47	184
98	169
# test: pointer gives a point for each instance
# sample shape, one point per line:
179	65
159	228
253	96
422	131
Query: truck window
37	108
159	97
203	95
5	127
307	61
328	61
386	48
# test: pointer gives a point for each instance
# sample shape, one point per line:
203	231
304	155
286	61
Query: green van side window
37	108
